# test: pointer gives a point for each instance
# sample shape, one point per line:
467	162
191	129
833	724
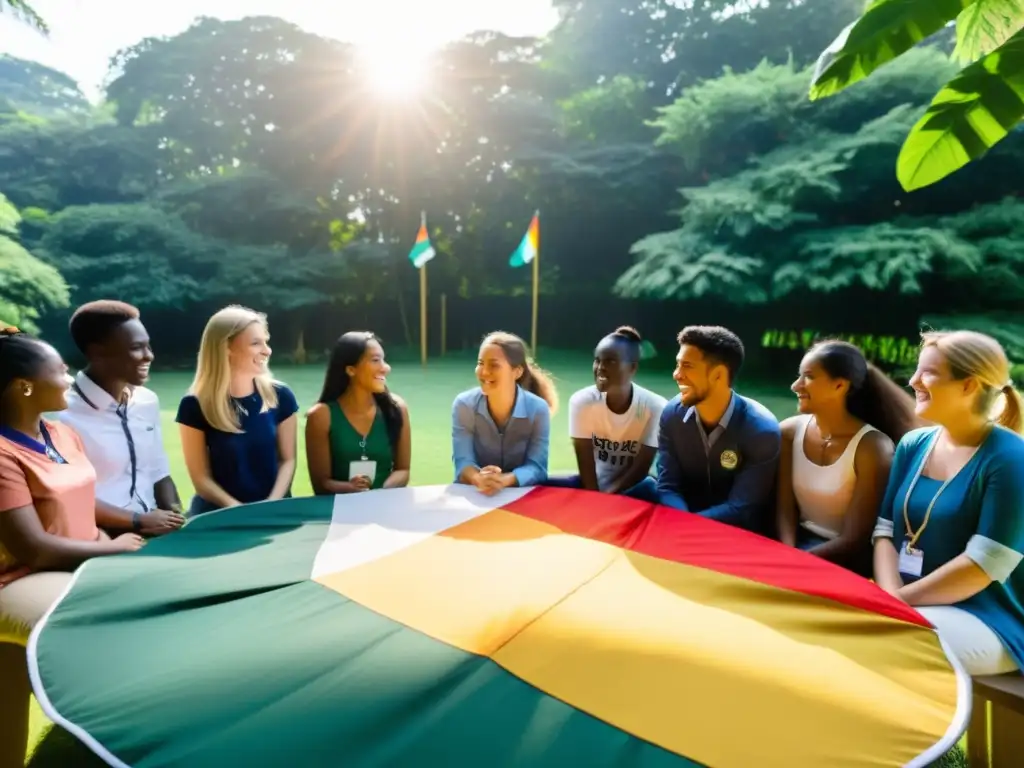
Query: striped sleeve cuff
883	529
997	560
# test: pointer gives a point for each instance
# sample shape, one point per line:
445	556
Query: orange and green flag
529	246
422	251
538	627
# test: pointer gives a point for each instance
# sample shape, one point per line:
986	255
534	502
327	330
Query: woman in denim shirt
501	429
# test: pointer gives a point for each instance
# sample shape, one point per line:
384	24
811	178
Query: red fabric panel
659	531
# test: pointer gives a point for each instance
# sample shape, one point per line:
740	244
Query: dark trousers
645	490
860	562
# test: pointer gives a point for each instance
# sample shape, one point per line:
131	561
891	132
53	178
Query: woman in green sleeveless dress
357	435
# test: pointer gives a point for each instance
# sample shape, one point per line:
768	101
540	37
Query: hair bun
628	332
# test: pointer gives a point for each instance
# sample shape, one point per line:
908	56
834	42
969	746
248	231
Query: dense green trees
28	287
249	161
803	199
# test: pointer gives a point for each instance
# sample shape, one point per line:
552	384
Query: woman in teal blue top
950	535
357	435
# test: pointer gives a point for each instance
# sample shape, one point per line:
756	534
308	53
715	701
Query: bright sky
86	33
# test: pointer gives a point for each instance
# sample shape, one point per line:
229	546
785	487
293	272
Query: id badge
911	560
367	468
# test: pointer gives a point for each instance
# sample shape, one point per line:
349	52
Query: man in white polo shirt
118	420
614	424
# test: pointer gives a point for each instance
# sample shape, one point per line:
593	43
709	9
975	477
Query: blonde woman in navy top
501	430
237	424
950	536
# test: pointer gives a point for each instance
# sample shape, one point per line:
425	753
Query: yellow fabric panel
701	663
715	667
477	584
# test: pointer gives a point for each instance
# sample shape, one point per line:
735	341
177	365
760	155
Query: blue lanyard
122	415
46	447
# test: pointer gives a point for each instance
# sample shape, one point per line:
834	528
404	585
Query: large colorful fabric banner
539	627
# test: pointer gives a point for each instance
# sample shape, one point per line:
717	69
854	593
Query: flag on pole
527	250
434	625
422	251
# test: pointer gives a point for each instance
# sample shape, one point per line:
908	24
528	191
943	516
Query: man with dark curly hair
718	452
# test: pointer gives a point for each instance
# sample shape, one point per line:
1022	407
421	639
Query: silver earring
27	391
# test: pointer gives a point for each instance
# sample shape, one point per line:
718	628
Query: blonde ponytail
970	353
1012	414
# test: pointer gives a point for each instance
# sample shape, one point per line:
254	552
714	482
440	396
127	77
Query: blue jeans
645	490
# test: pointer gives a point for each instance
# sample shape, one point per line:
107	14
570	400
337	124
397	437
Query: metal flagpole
536	288
423	314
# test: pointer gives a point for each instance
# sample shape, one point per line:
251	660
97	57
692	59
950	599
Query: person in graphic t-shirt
237	425
614	423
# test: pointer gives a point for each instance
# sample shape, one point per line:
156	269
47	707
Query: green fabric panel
211	647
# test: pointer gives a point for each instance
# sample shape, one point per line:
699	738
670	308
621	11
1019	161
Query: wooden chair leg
1007	737
977	734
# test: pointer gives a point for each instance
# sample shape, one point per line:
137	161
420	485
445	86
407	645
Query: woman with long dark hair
836	454
357	435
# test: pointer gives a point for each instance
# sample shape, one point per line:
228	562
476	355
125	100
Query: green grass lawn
429	394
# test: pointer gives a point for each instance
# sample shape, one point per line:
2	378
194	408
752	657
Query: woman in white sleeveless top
835	457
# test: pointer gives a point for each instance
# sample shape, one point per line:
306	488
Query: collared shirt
96	419
723	424
520	447
727	475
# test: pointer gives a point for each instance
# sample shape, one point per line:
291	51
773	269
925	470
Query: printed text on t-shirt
614	452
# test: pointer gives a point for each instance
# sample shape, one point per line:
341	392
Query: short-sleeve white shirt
616	437
96	421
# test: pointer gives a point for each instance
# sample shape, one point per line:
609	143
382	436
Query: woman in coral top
48	516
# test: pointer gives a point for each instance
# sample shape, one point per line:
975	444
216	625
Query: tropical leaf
973	113
887	29
985	25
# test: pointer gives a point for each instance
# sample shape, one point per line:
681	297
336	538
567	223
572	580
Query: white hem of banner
961	717
957	728
44	700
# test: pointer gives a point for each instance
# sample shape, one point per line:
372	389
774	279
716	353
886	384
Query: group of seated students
922	493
